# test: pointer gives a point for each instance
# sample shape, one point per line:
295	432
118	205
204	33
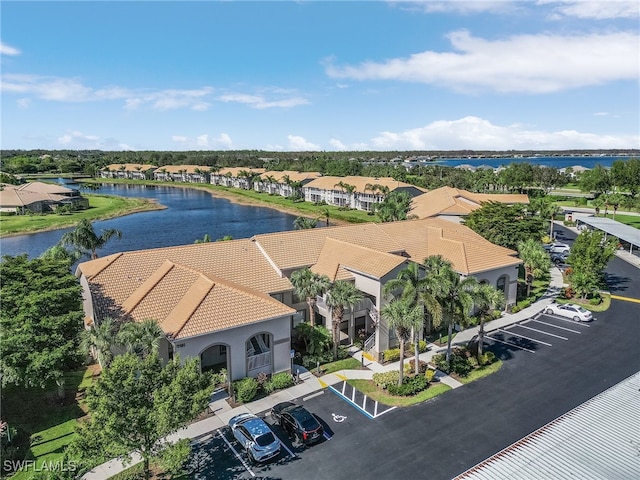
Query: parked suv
255	436
557	248
299	424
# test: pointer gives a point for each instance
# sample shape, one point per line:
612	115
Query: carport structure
611	227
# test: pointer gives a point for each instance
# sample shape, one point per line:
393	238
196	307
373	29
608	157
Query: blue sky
318	75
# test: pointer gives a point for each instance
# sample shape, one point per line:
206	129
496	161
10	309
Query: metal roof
599	439
612	227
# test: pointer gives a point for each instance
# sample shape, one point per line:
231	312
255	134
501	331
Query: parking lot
219	455
541	331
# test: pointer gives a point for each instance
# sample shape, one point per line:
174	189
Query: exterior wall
511	274
87	299
235	340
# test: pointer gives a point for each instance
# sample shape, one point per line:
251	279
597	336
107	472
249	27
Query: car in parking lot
557	248
559	258
298	422
255	436
570	310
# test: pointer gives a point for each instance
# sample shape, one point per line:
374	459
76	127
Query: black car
299	424
559	258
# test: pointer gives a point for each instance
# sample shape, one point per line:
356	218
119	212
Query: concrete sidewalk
310	384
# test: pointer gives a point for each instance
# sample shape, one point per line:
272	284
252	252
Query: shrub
422	346
391	355
409	367
460	365
246	389
516	309
262	379
383	380
429	374
487	358
278	381
410	386
472	361
439	360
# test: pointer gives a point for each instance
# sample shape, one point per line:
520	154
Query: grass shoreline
101	207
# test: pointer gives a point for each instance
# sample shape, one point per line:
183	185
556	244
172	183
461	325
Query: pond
190	214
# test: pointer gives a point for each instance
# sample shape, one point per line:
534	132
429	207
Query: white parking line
293	455
236	453
564	319
555	326
543	332
527	338
510	344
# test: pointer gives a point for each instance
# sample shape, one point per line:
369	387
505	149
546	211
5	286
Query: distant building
131	171
38	197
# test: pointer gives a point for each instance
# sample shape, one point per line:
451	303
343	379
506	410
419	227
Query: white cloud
299	144
460	6
539	63
23	103
475	133
73	90
76	140
259	102
8	49
179	138
593	9
203	142
337	144
223	141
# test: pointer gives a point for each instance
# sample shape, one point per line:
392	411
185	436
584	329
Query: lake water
555	162
190	214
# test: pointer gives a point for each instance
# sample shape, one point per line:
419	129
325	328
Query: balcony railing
259	361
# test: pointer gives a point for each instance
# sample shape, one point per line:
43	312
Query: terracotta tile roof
28	193
301	248
293	176
184	168
338	257
187	303
454	201
330	183
234	171
115	278
130	167
466	250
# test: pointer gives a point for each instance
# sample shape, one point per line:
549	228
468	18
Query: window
501	284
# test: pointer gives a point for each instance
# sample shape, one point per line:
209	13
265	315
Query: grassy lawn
100	207
45	425
346	364
252	197
481	372
603	306
372	391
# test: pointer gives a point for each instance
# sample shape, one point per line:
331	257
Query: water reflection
190	214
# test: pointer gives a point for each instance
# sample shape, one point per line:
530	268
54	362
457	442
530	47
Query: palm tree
205	239
547	209
598	203
341	294
326	213
85	239
488	298
403	318
535	260
304	223
457	299
141	338
59	252
100	338
309	285
615	199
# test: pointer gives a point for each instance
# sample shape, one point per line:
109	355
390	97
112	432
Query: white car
561	248
569	310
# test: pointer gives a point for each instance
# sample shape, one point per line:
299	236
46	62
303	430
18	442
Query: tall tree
394	207
341	295
304	223
535	259
402	317
589	256
40	321
487	299
309	285
86	240
142	338
615	200
547	209
457	299
136	404
505	225
596	180
100	339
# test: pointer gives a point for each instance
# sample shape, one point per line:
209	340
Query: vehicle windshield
582	310
265	439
